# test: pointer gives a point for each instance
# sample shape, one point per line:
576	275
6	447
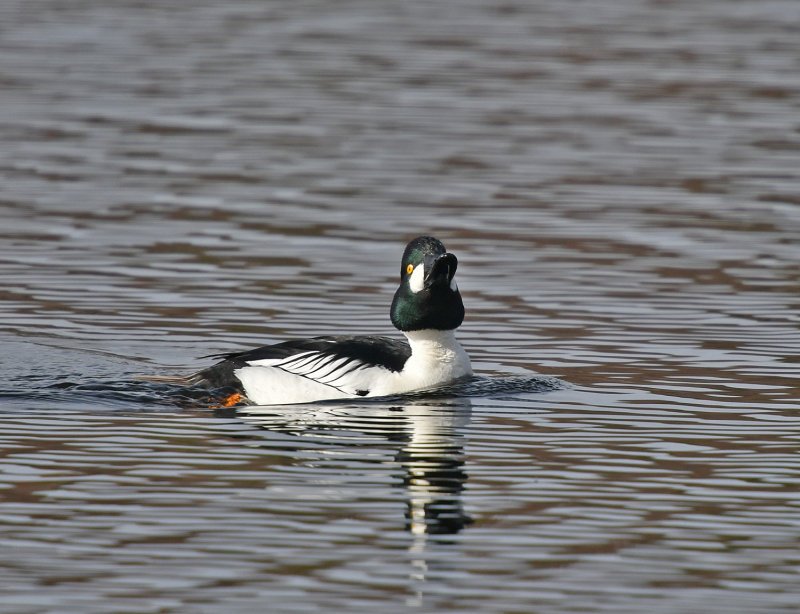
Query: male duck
427	308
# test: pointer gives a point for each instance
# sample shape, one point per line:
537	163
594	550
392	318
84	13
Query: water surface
621	188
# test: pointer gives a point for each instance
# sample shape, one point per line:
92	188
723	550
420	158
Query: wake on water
132	393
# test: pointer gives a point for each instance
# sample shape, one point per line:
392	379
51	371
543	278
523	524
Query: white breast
436	358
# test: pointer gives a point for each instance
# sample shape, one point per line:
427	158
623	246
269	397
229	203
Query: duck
427	308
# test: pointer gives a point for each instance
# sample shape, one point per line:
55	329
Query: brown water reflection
620	186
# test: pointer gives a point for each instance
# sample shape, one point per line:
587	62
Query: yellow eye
409	268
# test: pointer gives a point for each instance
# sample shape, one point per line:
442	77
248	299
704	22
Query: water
621	187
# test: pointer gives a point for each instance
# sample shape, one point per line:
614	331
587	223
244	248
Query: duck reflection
431	452
434	476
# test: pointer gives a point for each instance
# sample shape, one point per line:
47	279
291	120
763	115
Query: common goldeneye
427	308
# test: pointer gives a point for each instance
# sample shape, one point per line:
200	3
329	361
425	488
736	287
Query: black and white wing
318	367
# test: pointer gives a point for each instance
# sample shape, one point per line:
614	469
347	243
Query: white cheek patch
453	285
417	280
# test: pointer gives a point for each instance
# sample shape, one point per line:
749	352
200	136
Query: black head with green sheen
428	297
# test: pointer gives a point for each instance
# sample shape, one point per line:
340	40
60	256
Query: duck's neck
431	337
438	347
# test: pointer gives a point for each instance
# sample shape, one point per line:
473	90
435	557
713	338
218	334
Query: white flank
274	386
436	358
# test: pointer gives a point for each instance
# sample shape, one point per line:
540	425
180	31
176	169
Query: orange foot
232	399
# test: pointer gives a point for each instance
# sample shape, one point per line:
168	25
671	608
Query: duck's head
428	296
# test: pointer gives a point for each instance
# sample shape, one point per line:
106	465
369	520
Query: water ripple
620	186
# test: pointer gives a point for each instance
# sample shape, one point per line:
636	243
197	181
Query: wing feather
338	362
328	367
